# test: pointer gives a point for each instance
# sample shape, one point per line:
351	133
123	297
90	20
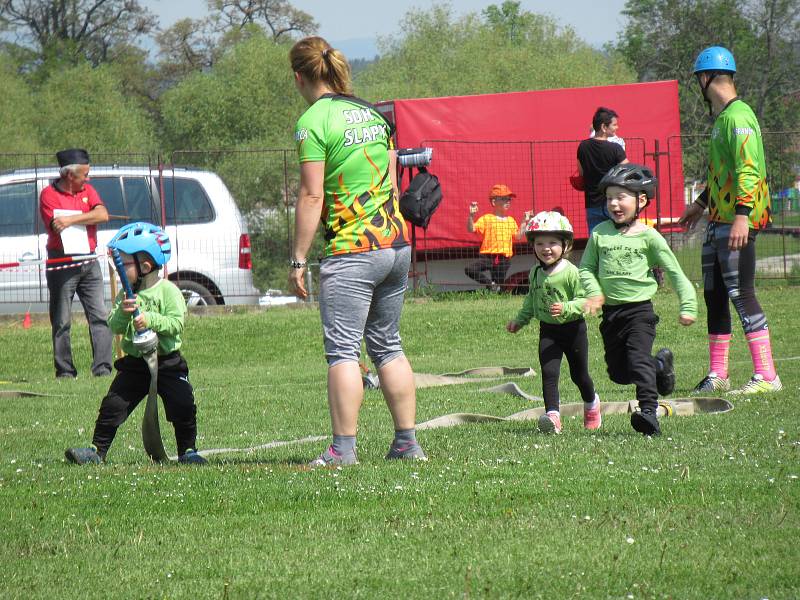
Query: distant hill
357	48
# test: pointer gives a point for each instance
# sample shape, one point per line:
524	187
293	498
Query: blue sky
354	25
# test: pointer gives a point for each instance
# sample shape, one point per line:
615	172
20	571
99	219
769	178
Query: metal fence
211	262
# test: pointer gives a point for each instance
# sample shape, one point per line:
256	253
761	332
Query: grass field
708	510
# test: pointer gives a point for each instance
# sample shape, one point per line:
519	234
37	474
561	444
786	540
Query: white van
210	262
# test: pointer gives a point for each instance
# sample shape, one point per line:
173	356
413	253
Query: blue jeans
594	216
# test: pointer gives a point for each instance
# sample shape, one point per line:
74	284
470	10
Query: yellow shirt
498	234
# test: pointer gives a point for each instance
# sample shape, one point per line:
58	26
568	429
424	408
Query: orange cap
500	190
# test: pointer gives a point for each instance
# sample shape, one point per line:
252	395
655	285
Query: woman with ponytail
348	181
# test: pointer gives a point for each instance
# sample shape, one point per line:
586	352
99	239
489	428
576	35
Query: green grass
708	510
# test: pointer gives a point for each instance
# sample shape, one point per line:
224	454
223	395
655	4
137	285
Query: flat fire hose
151	432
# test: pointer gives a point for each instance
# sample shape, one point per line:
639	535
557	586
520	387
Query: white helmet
549	222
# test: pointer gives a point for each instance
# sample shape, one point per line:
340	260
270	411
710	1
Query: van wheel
195	293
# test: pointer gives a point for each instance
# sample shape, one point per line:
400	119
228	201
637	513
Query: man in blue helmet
738	203
144	249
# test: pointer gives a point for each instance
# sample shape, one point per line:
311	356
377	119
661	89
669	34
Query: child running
144	249
616	273
556	299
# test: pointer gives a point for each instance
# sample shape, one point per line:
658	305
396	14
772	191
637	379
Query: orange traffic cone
26	322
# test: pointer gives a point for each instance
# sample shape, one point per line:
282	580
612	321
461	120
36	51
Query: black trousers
489	268
556	341
629	331
130	387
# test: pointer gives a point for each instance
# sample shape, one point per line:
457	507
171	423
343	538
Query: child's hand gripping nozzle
154	242
145	340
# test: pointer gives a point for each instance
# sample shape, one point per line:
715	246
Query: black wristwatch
296	264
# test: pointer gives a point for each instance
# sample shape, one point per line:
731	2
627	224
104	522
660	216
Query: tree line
75	73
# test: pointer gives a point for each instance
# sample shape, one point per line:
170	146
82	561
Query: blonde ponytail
316	60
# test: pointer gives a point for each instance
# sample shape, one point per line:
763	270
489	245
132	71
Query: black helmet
633	177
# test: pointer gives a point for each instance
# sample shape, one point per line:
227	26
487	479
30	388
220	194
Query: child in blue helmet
144	249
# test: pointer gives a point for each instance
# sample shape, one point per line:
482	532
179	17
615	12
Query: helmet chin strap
704	89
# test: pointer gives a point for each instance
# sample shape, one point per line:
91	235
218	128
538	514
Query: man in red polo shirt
70	201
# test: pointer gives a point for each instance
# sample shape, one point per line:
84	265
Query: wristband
296	264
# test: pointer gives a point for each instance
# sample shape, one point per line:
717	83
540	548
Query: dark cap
73	156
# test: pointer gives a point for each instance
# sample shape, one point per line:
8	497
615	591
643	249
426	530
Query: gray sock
344	445
405	437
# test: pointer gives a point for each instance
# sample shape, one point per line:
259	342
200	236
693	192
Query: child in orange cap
499	231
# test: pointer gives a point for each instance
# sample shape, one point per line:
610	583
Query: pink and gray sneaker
550	423
329	458
410	452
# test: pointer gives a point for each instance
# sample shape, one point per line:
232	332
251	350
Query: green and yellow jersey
737	171
361	212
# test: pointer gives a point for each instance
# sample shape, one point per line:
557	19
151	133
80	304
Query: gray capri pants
361	296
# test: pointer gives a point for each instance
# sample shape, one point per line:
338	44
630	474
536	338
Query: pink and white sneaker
592	419
550	423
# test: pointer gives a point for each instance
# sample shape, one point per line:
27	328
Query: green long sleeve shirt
164	308
563	286
619	267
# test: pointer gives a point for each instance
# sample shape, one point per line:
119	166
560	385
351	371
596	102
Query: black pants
131	385
489	268
629	331
555	341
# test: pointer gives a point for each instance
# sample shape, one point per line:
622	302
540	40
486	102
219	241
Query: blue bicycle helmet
715	58
143	237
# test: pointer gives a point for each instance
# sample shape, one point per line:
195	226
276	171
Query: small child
499	231
144	249
616	273
556	299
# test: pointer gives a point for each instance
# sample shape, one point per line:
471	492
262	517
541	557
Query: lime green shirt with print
619	266
361	212
164	309
564	287
737	170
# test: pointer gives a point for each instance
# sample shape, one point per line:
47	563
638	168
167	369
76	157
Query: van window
139	200
18	203
186	202
110	192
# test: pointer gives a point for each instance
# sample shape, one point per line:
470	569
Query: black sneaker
191	457
665	375
83	456
645	423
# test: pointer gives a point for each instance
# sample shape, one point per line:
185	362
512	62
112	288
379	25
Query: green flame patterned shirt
361	212
737	171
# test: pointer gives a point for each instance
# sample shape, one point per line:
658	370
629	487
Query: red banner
528	141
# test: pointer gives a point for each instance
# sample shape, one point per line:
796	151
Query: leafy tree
504	49
277	17
663	37
100	116
194	44
75	30
243	104
20	135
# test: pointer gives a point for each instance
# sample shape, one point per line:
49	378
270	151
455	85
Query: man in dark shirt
596	155
70	201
